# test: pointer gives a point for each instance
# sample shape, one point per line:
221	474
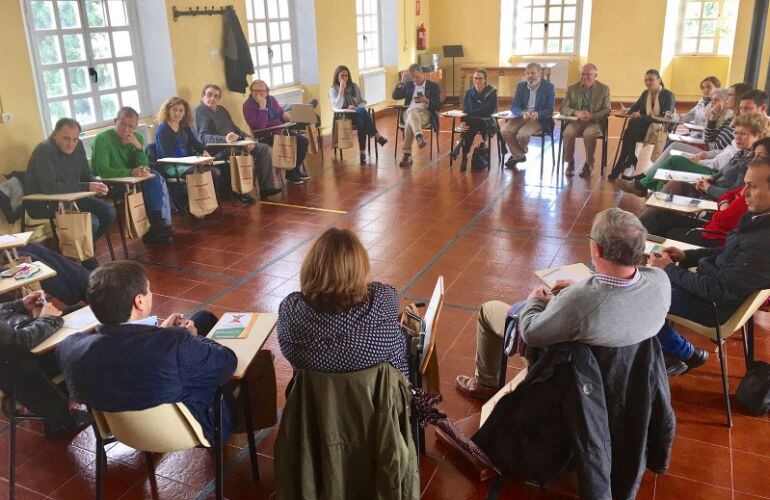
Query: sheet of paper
8	239
343	110
686	138
455	112
503	114
651	247
675	175
684	154
234	325
82	319
187	160
574	272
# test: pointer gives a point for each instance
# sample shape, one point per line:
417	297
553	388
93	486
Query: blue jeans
102	215
689	306
69	284
364	126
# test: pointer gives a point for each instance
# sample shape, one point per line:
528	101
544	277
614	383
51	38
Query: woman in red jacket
732	206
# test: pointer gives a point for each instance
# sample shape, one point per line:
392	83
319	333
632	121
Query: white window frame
720	19
33	39
364	36
262	53
518	5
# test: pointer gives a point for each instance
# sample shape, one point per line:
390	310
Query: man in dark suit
589	102
423	100
532	109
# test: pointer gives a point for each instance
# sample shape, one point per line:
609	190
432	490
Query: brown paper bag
344	134
657	135
137	223
201	194
242	174
284	152
312	135
73	228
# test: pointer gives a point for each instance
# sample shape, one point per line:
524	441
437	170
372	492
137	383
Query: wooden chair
458	130
743	320
502	148
400	127
161	429
603	138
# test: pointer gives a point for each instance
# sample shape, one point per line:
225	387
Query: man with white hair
589	101
532	109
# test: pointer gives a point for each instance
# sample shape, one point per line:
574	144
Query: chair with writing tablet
743	320
304	115
400	127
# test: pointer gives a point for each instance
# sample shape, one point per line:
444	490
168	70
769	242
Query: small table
11	284
666	175
624	117
654	246
576	272
687	139
265	130
82	320
125	181
681	204
10	242
454	115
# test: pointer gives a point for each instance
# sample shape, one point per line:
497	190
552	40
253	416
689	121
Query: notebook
234	326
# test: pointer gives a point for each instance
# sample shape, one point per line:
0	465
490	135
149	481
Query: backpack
480	158
754	390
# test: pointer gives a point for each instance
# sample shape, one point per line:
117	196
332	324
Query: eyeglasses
479	78
587	74
345	75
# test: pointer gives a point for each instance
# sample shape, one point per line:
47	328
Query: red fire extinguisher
422	36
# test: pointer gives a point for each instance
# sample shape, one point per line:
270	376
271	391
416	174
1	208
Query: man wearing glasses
589	102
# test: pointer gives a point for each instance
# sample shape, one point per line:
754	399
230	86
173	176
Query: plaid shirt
612	281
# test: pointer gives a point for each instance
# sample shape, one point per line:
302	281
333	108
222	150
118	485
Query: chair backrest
152	153
302	113
432	314
160	429
749	307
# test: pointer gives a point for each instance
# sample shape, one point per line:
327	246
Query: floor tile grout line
452	306
311	237
174	267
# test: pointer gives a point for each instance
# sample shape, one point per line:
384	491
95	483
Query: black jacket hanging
238	61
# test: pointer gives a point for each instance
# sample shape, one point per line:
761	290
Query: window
368	29
707	27
85	59
546	26
270	41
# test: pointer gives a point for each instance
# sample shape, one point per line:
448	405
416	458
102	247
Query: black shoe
247	199
362	158
406	161
264	193
90	264
633	177
420	141
381	141
464	163
303	176
294	180
154	238
456	150
78	419
698	358
675	368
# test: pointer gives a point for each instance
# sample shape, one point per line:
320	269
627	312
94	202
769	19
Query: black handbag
480	158
754	390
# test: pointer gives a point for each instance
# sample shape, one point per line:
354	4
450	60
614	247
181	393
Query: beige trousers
516	133
589	131
490	329
414	121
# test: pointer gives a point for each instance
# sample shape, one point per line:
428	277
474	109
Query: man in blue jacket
133	363
532	108
422	98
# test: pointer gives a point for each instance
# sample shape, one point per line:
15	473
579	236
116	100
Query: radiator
288	96
373	85
146	129
558	73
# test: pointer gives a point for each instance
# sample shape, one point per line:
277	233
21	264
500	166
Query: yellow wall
17	91
687	73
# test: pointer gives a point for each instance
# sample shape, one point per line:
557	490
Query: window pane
286	48
275	35
693	10
73	48
48	49
100	45
538	14
264	74
259	9
84	110
95	14
554	14
110	105
277	76
526	13
536	46
277	56
359	7
284	8
253	56
131	98
261	32
57	110
691	28
538	2
285	31
359	24
54	83
117	11
568	46
69	14
554	30
105	76
538	31
79	80
706	46
708	28
288	73
272	9
570	13
568	29
126	74
725	46
251	32
711	10
42	15
553	46
121	40
262	57
689	45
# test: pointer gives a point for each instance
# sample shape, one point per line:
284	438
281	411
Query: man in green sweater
620	305
119	152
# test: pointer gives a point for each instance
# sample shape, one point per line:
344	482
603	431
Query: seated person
725	275
731	206
655	101
20	331
588	311
749	128
261	110
588	101
345	94
697	114
717	110
340	322
119	152
532	109
132	363
479	104
214	124
174	137
58	165
422	99
719	130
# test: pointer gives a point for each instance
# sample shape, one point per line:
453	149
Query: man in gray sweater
214	124
621	305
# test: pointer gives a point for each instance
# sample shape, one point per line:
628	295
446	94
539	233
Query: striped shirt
719	138
613	281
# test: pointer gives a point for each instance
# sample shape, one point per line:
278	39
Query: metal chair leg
109	244
121	229
101	457
503	369
542	154
12	445
218	448
250	430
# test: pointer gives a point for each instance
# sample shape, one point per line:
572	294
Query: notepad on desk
572	272
81	320
234	326
187	160
650	247
676	175
683	154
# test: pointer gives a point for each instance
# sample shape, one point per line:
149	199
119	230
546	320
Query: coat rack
197	11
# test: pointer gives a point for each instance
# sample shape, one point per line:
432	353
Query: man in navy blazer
423	100
532	109
133	363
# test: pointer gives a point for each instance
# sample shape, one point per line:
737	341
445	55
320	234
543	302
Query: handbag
137	223
480	158
754	390
344	134
312	135
284	151
657	135
242	174
200	193
73	229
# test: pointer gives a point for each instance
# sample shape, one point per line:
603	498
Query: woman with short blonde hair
340	321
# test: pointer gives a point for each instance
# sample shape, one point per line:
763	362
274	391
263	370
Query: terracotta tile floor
485	232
